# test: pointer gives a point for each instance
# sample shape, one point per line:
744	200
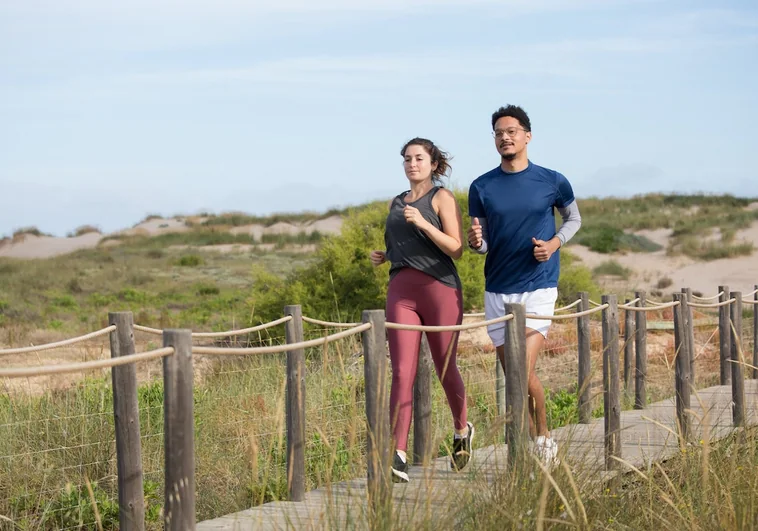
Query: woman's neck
419	190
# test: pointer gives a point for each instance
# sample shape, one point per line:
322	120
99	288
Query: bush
84	229
190	260
607	239
341	282
664	282
612	268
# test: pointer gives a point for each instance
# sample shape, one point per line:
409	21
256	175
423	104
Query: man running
513	221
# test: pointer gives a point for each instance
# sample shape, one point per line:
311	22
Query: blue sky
111	111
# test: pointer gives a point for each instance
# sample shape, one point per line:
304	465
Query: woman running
423	236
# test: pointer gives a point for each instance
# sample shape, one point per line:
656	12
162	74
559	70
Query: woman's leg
404	345
443	305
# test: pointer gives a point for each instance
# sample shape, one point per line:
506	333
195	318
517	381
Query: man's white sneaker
547	450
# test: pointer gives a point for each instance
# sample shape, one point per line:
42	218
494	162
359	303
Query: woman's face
418	164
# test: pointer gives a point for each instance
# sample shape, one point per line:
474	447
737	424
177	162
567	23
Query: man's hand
543	250
378	257
475	234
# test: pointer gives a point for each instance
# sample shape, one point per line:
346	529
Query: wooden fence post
178	432
516	375
755	333
500	386
422	406
725	337
611	402
682	367
737	357
585	360
378	452
628	349
689	329
640	347
131	497
293	332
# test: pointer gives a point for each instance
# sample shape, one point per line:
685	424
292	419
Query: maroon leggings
416	298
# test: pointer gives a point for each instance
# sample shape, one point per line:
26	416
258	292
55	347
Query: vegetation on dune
608	223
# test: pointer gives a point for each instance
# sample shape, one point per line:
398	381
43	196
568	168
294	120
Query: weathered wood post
725	337
178	432
640	347
682	367
628	349
377	414
585	360
422	405
295	407
738	382
516	375
611	402
131	497
689	329
500	386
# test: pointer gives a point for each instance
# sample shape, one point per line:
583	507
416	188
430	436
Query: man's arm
572	220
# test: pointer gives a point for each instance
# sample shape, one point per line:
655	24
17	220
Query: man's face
510	137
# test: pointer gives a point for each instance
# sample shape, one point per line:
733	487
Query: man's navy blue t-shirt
517	207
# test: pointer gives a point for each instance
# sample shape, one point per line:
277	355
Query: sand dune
30	246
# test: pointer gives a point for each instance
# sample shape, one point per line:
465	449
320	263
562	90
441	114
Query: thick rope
713	298
328	323
567	316
750	294
280	348
469	326
748	301
63	343
220	334
577	302
44	370
711	305
649	308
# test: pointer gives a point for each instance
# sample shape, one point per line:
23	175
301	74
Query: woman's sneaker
462	449
399	469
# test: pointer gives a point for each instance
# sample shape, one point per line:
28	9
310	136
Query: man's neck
515	165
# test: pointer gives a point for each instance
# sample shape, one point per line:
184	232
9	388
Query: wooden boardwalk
646	437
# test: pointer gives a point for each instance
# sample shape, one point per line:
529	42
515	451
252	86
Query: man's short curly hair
514	111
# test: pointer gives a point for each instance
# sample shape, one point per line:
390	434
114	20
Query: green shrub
341	282
612	268
190	260
64	301
603	238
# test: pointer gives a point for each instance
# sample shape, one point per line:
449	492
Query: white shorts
539	302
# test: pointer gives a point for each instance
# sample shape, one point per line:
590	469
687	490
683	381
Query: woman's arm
450	237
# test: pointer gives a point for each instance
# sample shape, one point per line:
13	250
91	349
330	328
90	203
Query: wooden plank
433	490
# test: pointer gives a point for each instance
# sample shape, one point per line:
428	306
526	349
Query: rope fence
282	418
58	344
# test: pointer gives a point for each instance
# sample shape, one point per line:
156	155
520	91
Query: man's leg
536	398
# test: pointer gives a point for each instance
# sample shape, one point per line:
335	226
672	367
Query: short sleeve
564	194
475	207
